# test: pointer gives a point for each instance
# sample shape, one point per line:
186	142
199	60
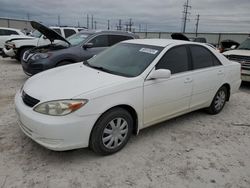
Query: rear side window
113	39
69	32
175	59
58	31
202	57
7	32
100	41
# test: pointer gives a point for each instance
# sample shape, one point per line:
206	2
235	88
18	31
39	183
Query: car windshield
77	38
245	45
36	34
125	59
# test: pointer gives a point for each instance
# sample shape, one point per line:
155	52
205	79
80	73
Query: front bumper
57	133
30	68
245	75
9	52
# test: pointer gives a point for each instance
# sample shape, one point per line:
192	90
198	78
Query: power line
185	15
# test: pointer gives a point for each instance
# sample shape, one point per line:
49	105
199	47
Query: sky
150	15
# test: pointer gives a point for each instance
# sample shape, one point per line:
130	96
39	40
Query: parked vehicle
130	86
78	47
6	33
226	45
241	55
15	47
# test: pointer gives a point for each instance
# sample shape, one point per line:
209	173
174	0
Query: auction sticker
148	50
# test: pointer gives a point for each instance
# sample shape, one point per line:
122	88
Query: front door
166	98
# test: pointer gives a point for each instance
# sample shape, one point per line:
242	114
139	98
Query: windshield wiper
97	67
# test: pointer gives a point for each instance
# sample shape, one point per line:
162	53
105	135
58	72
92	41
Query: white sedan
100	102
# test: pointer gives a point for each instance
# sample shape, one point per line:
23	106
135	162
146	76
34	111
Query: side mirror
87	45
159	74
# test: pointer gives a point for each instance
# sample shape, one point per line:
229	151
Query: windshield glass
125	59
36	34
245	45
77	38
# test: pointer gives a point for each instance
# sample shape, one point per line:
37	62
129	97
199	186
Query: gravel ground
196	150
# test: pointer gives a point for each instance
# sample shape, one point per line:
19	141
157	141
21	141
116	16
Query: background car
6	33
241	55
78	47
130	86
15	47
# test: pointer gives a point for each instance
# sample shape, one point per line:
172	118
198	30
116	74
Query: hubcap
115	133
220	100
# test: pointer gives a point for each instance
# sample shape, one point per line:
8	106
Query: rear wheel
219	101
111	132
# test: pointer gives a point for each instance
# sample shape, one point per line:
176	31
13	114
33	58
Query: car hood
179	36
237	52
49	33
69	81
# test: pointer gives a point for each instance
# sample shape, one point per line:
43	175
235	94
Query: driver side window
175	60
100	41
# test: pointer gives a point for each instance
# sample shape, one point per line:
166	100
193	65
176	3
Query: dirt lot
196	150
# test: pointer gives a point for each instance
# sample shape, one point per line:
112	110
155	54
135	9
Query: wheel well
228	90
131	110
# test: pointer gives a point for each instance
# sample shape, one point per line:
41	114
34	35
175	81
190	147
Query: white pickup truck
241	55
8	33
16	46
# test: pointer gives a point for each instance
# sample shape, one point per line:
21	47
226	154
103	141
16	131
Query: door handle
188	80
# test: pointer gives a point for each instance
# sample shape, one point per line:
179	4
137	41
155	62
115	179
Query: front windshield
77	38
245	45
36	34
125	59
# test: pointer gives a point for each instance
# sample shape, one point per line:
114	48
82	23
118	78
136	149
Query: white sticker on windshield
148	50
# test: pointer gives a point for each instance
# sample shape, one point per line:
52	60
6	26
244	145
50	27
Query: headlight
60	107
10	45
40	56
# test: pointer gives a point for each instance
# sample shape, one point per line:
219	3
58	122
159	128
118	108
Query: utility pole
119	27
130	24
185	15
28	16
58	20
95	24
197	24
92	21
87	21
108	24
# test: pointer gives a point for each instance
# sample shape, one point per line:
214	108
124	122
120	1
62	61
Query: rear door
208	74
114	39
165	98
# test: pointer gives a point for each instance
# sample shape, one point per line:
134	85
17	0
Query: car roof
159	42
106	31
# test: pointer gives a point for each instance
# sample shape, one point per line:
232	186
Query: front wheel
111	132
219	101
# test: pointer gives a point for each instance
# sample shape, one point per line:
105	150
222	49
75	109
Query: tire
62	63
20	54
219	101
111	132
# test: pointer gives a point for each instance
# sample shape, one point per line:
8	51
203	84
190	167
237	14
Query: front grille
243	60
239	58
28	100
